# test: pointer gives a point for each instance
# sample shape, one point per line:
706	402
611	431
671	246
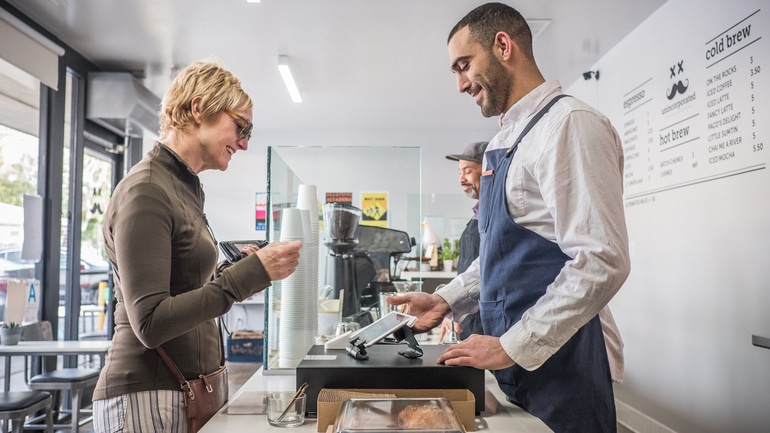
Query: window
19	147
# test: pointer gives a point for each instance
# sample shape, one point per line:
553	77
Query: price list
638	136
734	80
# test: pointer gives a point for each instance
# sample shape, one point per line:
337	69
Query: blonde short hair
217	87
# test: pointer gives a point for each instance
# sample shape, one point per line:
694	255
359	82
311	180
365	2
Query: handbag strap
178	373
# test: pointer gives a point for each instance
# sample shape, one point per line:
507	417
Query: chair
16	406
75	380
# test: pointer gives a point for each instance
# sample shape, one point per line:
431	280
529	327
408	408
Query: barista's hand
280	259
478	351
430	309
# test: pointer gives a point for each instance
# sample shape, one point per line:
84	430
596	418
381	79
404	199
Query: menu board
695	116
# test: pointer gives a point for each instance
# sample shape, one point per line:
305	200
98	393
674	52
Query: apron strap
532	122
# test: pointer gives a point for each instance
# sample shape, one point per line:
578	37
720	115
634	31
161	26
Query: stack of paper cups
294	337
311	288
307	200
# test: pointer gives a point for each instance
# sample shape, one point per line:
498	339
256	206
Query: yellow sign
374	206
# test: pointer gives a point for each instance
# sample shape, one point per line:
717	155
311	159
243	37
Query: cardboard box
385	368
245	346
462	401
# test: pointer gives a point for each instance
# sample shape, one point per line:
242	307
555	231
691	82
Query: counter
498	416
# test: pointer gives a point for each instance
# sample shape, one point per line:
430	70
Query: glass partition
384	182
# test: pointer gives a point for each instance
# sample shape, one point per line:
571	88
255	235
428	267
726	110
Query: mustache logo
678	87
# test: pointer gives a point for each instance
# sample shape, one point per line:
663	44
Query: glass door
87	182
98	172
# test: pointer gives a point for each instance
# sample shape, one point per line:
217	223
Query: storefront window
19	114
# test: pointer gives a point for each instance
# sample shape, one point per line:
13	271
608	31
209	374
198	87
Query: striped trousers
145	411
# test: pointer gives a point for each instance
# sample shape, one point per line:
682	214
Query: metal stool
16	406
75	380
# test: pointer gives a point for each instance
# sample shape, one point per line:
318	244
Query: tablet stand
357	347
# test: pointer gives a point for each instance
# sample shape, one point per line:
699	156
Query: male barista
469	164
554	245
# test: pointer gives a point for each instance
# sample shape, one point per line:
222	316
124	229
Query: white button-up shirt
565	183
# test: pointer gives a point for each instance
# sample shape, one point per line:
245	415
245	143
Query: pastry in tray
422	417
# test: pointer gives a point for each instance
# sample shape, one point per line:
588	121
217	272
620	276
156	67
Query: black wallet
232	249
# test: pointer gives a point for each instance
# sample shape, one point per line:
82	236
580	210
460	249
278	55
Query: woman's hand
250	249
280	259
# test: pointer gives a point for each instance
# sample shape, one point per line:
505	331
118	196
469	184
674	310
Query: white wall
698	215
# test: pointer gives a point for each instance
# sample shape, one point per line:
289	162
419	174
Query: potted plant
449	254
10	333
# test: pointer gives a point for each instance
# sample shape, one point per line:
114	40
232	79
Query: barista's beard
473	193
497	85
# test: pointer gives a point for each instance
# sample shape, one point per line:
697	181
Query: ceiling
360	64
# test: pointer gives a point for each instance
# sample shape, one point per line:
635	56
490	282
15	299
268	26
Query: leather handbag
205	395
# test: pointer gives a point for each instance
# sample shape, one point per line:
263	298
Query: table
52	348
498	416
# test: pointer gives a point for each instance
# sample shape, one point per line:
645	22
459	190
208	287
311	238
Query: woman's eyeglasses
245	131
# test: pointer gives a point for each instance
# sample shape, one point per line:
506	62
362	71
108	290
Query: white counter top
499	415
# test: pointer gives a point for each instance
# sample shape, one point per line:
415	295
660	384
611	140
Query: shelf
424	275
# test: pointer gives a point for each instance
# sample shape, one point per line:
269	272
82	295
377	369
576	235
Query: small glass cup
386	308
278	402
343	327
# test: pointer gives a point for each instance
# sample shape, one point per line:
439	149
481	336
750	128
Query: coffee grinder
341	229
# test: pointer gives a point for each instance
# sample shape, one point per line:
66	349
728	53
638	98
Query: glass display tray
394	415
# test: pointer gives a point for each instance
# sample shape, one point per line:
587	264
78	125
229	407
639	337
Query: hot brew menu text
698	119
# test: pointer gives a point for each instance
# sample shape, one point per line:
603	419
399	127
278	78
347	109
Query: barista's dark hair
486	20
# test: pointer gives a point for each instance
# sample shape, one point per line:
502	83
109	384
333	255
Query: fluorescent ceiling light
288	79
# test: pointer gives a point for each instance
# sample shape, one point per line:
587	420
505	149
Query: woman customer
164	255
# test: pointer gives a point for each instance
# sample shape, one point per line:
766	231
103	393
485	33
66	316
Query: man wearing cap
469	164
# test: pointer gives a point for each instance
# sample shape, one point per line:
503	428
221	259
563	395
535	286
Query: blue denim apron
572	390
469	251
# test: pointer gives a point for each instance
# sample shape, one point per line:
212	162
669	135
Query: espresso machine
358	267
382	248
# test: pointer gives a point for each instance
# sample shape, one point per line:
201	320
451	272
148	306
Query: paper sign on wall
374	206
22	301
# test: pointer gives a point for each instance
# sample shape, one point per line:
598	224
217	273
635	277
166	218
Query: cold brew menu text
698	118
